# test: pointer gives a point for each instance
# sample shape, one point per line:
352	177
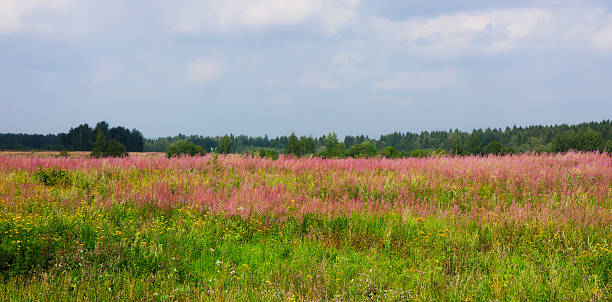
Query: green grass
50	251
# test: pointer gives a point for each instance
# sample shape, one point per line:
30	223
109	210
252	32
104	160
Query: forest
589	136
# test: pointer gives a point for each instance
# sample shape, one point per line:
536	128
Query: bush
63	153
184	148
418	153
389	152
268	153
365	149
52	176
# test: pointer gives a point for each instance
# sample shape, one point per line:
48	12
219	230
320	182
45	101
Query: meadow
238	228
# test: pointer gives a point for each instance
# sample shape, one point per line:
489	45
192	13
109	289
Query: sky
259	67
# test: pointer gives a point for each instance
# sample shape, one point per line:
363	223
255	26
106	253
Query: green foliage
496	148
583	140
147	254
307	145
268	153
333	148
589	136
293	145
107	148
419	153
63	153
225	146
72	241
52	176
365	149
389	152
473	144
83	137
457	145
184	148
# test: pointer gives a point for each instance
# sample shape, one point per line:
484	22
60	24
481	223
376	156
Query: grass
53	247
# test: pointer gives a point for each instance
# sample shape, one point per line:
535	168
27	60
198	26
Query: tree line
80	138
589	136
592	136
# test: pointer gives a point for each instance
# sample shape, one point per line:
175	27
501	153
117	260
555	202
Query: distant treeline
559	138
80	138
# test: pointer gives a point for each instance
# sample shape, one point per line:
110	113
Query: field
230	228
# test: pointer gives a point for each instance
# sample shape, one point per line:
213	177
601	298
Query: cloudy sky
260	67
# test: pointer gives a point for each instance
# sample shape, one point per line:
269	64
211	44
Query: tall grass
525	227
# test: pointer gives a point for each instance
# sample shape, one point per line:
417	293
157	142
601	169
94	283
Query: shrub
389	152
63	153
184	148
52	176
268	153
418	153
365	149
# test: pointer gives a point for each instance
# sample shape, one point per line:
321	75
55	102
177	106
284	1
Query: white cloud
20	15
205	70
278	12
196	16
579	27
419	81
484	31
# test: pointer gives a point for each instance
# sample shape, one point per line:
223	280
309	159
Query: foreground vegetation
518	228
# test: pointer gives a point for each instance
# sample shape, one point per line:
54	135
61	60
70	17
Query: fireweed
534	227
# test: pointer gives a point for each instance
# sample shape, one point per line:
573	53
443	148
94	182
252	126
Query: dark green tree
333	148
307	145
225	146
293	145
473	143
102	126
107	148
457	146
589	140
564	141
